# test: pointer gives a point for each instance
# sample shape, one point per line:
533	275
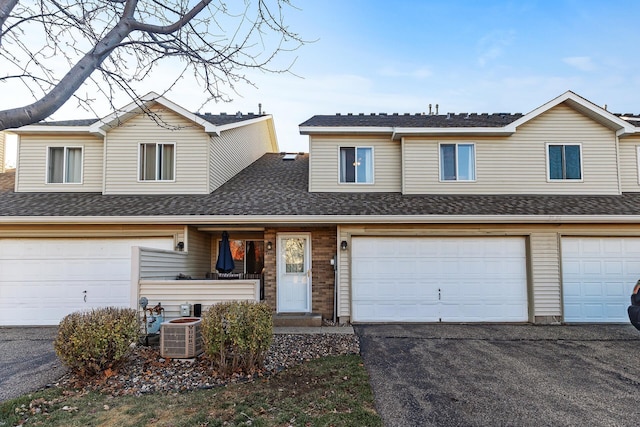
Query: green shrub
237	335
91	342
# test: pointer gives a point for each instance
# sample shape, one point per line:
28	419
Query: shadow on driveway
503	375
27	360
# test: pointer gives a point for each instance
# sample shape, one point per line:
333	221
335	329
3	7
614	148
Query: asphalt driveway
503	375
27	360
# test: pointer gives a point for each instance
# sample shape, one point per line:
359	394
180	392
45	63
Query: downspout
335	288
617	135
17	174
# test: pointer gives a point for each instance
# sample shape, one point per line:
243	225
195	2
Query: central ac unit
181	338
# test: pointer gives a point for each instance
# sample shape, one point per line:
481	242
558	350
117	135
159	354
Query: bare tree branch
125	41
6	6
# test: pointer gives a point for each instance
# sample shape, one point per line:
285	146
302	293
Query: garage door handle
439	295
85	295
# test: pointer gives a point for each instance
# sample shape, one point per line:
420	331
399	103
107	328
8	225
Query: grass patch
331	391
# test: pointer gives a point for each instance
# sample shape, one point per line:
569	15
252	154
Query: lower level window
248	256
64	165
157	162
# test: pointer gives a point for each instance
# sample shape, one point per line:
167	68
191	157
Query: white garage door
42	280
424	279
598	275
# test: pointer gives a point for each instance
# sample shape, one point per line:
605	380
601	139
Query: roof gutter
309	130
399	132
480	131
52	129
323	219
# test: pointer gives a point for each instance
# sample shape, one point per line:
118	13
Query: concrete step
297	319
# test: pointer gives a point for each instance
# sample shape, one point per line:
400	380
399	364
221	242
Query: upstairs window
157	162
356	165
64	165
457	162
565	161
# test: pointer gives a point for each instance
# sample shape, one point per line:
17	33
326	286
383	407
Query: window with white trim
564	161
157	161
356	165
64	165
457	162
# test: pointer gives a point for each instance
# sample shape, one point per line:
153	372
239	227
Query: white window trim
475	168
64	165
564	180
175	157
373	165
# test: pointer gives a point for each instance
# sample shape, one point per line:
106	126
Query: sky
371	56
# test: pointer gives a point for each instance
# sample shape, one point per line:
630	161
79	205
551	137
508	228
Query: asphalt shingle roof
216	119
272	186
420	120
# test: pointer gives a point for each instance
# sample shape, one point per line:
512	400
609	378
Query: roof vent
223	114
239	115
289	156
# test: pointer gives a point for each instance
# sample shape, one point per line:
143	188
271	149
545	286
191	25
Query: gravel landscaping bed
147	372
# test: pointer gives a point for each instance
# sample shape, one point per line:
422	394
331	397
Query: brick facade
323	248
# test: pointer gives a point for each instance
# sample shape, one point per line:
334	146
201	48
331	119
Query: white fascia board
310	130
325	219
242	123
623	126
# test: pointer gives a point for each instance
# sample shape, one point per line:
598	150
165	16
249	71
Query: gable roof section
583	106
274	191
212	124
458	124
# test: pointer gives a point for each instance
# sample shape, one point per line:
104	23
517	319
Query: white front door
294	273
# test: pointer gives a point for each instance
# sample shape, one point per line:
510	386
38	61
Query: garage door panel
616	289
43	280
598	276
443	279
633	267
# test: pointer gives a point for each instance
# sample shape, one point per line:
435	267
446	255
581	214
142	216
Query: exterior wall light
269	246
343	245
180	246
